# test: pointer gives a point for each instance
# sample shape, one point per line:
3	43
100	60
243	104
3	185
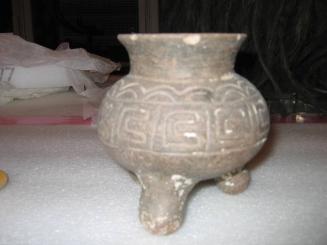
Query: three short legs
163	197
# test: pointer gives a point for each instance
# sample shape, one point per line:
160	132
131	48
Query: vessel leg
162	201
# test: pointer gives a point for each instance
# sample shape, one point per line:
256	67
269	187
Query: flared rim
237	36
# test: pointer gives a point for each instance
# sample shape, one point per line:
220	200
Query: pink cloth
45	120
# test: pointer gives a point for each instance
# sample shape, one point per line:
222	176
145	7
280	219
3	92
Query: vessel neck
170	58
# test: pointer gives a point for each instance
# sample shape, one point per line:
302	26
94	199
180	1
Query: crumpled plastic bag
28	70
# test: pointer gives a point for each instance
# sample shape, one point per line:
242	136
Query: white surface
44	76
64	190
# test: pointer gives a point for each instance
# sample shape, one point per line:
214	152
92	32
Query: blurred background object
3	179
285	54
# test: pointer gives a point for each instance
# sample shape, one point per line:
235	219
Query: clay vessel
182	115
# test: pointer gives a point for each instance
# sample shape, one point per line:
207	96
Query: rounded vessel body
180	116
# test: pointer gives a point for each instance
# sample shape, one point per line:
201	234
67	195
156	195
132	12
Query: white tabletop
64	189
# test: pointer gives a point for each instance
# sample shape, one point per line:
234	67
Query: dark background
5	16
285	54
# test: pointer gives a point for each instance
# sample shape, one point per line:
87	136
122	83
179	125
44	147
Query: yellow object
3	179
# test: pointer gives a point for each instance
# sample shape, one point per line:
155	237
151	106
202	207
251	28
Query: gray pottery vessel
182	115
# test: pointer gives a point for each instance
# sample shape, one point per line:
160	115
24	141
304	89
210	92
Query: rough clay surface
234	183
182	115
63	189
